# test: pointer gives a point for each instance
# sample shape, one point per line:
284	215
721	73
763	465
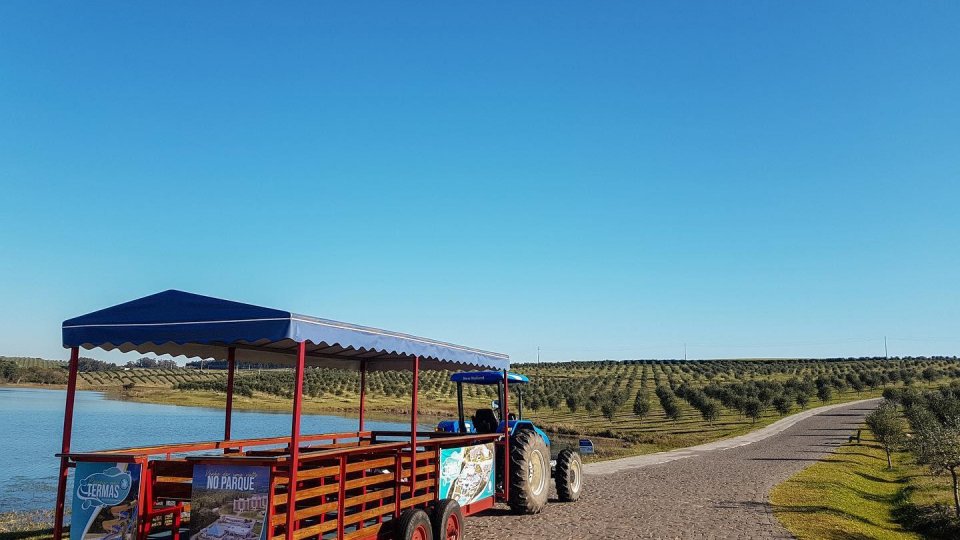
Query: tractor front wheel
569	476
529	473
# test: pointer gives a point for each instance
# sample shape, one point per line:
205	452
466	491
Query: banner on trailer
466	473
229	501
105	501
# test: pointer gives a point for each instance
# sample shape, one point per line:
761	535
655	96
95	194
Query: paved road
718	490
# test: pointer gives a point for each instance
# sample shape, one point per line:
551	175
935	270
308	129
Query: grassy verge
851	495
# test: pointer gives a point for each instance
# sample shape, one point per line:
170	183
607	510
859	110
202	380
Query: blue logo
108	488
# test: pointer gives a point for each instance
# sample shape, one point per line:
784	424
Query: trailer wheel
569	475
447	520
529	473
414	525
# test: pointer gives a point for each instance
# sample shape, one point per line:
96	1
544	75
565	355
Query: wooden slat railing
181	448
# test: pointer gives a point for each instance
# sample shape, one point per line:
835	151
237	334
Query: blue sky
611	180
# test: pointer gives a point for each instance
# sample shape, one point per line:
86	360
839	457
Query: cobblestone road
717	492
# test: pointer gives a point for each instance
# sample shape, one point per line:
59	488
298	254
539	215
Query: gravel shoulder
714	490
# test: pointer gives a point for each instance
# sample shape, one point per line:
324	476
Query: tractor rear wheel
569	475
414	524
529	472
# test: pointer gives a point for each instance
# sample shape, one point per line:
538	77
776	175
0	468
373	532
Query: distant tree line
152	363
12	372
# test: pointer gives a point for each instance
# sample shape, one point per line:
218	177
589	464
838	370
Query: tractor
529	468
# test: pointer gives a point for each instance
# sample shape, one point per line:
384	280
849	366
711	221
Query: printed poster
105	501
466	473
229	502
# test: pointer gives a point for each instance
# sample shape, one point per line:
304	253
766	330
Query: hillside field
627	407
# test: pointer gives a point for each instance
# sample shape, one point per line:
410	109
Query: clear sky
602	180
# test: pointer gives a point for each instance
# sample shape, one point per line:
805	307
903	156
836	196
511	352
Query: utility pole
538	355
684	352
886	354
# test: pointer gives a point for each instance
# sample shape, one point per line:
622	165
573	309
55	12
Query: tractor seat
485	421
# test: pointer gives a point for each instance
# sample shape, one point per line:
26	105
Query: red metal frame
231	367
146	494
295	441
479	506
504	413
413	427
65	444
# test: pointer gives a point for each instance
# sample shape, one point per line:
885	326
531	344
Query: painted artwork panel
229	502
467	473
104	503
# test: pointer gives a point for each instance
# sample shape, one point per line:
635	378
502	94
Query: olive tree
888	428
609	409
641	405
938	446
783	404
753	408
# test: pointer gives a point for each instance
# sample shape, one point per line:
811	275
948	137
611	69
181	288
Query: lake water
31	423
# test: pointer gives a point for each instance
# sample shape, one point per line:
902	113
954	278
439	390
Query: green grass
848	495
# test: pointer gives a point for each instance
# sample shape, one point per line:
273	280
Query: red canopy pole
295	440
231	366
505	414
65	446
413	427
363	391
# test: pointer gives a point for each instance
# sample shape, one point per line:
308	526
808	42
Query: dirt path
717	490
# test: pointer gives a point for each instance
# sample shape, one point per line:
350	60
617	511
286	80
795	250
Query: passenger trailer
354	485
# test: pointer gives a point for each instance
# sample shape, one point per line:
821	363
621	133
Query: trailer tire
529	473
569	475
414	524
447	518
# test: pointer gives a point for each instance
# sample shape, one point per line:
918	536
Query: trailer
361	484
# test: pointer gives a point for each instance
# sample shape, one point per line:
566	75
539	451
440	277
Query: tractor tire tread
521	501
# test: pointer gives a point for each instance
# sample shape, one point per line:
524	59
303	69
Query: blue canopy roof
488	377
184	324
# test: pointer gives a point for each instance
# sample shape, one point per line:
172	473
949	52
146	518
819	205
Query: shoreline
27	525
261	403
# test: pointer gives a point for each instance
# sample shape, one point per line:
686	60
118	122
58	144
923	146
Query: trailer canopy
178	323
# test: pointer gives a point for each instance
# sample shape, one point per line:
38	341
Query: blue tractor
530	466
